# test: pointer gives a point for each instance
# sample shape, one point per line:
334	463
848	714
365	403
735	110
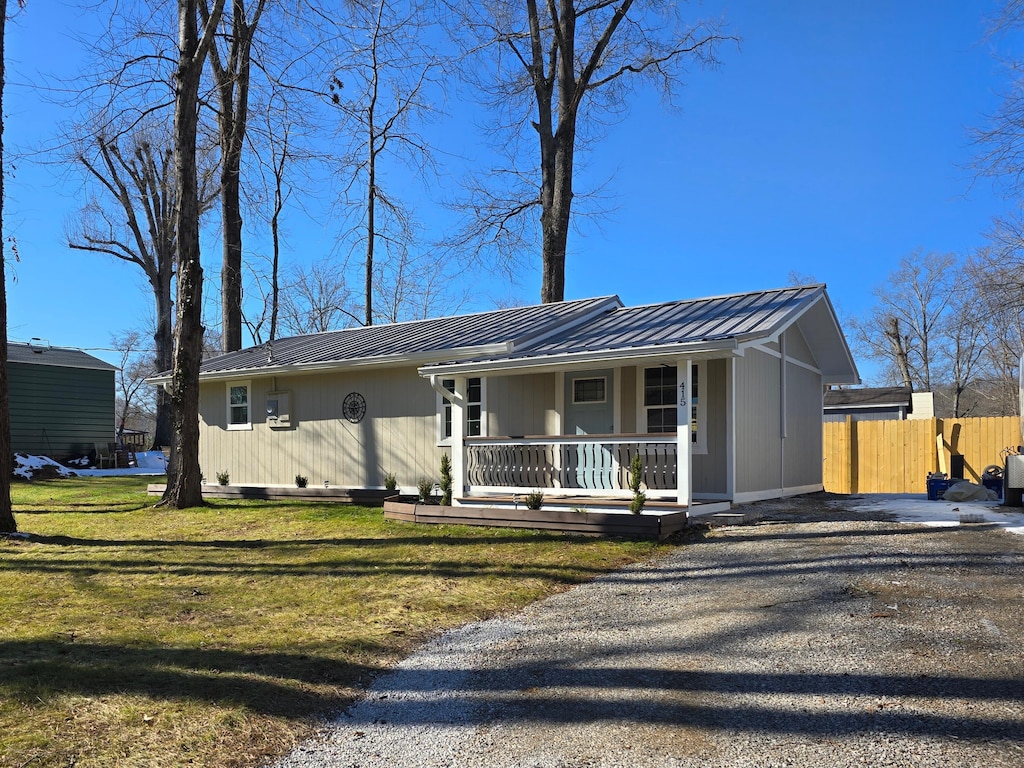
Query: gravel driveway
817	636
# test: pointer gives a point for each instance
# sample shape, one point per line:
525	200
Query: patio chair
105	459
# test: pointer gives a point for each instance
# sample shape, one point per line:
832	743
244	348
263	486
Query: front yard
219	636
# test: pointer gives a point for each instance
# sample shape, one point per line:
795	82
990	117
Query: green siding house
61	400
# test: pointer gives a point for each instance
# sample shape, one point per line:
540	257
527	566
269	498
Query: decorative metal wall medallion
354	407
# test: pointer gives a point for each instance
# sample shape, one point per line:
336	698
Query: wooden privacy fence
897	456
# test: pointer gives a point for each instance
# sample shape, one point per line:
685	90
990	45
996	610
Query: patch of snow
27	467
910	508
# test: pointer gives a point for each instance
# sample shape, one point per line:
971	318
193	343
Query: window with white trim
473	409
589	390
660	395
239	405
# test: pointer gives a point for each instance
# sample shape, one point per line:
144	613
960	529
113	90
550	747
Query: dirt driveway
817	636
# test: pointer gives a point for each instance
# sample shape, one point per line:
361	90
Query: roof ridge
589	299
724	296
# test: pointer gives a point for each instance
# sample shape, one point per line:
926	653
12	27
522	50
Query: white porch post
684	447
458	441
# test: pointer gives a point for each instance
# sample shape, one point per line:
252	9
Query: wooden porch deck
588	516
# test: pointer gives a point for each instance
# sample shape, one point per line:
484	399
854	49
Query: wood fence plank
897	456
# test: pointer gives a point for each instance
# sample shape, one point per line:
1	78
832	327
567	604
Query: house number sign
353	408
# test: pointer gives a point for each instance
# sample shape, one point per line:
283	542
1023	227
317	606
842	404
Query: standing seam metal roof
515	326
738	316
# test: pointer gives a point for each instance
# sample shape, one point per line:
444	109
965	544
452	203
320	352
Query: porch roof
711	327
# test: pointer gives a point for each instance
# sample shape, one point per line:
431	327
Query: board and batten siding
398	434
709	469
758	446
766	462
520	405
803	450
59	411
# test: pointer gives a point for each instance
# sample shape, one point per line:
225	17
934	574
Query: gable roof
64	357
710	327
414	342
868	397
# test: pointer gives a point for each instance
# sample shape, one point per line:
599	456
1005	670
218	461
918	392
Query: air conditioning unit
1013	472
1013	482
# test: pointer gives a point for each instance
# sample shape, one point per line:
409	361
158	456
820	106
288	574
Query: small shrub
390	481
426	489
534	499
446	480
636	474
223	478
636	504
301	481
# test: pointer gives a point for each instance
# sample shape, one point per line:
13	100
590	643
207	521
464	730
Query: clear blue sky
832	142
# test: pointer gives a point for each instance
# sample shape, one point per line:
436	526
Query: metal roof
739	316
711	323
43	354
435	339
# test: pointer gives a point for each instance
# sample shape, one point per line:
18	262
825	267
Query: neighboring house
61	400
721	397
868	403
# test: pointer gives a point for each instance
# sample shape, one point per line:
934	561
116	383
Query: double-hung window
473	410
661	393
239	405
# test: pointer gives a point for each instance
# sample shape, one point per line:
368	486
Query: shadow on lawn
294	686
297	686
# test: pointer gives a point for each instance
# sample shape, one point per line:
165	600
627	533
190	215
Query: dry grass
219	636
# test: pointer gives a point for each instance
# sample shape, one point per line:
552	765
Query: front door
589	410
589	403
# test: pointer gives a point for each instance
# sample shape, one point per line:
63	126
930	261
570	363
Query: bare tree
133	220
316	299
559	70
903	328
231	63
7	521
381	91
136	365
184	478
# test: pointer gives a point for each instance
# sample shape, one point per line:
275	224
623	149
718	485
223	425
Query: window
588	390
660	398
238	405
473	409
661	393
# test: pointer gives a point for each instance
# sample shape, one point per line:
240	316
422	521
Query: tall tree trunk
163	343
232	75
7	522
371	223
184	478
231	271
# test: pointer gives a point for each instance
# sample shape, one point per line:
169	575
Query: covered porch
577	465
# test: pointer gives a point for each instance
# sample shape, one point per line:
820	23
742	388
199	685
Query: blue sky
832	142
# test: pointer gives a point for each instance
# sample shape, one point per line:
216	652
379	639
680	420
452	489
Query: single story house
721	397
869	403
61	400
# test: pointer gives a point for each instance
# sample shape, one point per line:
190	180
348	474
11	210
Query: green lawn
134	636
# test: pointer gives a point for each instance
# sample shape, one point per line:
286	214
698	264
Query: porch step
721	519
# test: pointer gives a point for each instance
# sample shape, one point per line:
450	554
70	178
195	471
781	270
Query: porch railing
583	465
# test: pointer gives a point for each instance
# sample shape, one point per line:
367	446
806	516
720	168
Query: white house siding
709	470
398	434
520	405
758	441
